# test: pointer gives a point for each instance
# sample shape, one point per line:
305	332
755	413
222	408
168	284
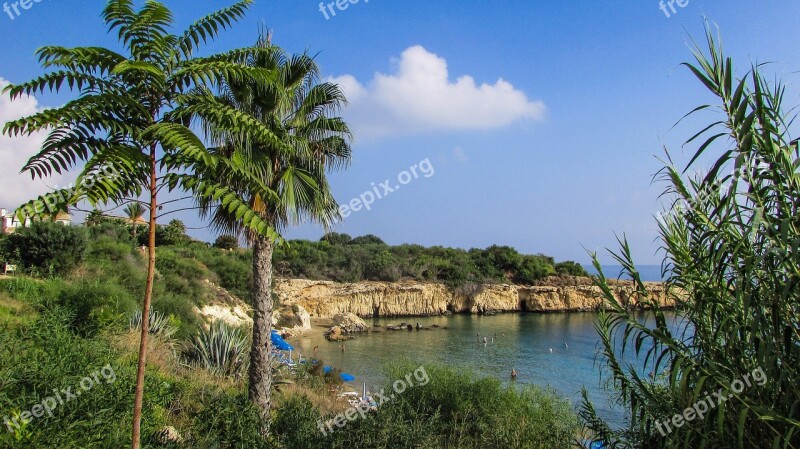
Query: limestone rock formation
349	323
325	299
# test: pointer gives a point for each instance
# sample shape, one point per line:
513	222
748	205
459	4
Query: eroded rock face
303	318
350	323
325	299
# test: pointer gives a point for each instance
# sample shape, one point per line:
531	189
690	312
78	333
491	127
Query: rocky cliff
324	299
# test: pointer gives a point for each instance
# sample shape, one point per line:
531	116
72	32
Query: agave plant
221	349
159	324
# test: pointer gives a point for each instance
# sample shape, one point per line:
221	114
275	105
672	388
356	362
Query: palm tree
135	211
94	218
301	111
131	119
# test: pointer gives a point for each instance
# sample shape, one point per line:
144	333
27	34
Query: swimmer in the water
513	374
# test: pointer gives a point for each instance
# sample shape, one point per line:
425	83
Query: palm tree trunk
260	368
148	294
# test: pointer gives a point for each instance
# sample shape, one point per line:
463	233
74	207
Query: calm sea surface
554	350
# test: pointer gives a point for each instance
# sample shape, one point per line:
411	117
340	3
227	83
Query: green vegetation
45	248
130	124
56	330
226	242
221	349
453	410
339	257
731	242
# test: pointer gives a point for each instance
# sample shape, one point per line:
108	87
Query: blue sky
542	120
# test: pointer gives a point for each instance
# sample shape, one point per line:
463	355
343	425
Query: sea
559	351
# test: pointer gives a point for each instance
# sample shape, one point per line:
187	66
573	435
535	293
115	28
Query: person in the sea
485	341
315	349
513	374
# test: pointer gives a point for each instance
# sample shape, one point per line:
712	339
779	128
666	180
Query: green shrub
180	311
48	355
451	409
571	269
296	424
115	230
226	242
229	421
47	248
97	304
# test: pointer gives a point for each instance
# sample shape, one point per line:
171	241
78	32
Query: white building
9	222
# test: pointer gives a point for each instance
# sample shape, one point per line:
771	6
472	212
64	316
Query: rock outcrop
345	326
325	299
350	323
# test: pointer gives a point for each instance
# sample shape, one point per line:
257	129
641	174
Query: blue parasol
279	343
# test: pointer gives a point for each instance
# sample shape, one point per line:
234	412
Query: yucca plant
220	349
159	324
731	240
129	124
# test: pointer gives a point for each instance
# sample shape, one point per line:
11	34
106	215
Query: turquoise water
524	342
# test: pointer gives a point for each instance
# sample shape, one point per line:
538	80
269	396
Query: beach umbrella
279	343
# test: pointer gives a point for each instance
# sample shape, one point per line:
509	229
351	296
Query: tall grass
731	241
455	409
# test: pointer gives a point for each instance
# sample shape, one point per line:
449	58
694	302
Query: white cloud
420	97
16	188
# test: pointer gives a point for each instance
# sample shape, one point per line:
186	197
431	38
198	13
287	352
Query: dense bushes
341	258
46	248
226	242
453	410
48	355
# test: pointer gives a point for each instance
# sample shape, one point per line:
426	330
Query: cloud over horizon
419	97
15	152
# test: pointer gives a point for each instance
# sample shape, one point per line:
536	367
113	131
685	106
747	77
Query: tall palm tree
135	211
302	112
130	119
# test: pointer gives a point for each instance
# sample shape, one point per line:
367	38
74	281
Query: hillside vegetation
59	327
338	257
